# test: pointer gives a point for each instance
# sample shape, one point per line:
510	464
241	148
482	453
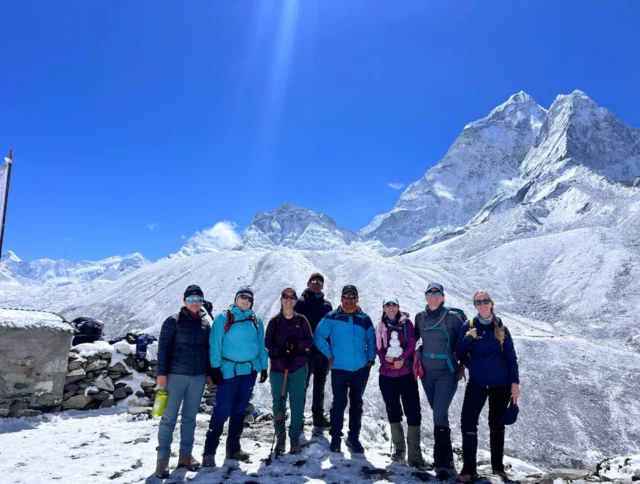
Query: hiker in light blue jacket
237	353
351	353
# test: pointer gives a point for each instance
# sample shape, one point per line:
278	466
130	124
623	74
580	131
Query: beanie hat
193	290
316	275
510	414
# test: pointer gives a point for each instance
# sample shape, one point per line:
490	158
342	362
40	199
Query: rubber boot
413	444
162	468
397	436
496	440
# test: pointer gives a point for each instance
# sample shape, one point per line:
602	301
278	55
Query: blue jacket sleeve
322	334
263	350
215	340
510	355
463	345
165	345
371	343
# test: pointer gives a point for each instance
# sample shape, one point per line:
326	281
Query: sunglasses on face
390	304
479	302
194	299
434	293
287	296
317	281
349	296
245	297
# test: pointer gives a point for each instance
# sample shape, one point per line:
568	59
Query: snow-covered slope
485	156
63	272
297	228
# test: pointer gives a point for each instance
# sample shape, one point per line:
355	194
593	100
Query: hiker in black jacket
314	307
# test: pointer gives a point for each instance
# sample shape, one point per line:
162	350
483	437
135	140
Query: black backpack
88	330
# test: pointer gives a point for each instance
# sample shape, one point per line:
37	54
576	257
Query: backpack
500	337
448	357
227	326
88	330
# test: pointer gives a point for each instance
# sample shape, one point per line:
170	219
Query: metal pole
9	161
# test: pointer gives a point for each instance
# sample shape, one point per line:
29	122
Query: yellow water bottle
160	402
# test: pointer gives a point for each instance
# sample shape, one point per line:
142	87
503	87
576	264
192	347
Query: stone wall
33	368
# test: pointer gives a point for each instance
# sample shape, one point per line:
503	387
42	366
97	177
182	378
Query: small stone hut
34	351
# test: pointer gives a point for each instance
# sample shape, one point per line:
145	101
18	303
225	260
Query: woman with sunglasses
237	355
438	327
288	339
395	346
183	365
487	348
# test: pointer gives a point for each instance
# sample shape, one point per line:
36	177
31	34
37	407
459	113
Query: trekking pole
280	412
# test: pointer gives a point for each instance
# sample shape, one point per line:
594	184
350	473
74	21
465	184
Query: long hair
499	329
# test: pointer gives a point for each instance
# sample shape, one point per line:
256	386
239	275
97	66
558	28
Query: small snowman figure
394	350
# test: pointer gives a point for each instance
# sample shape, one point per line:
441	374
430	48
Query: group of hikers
308	337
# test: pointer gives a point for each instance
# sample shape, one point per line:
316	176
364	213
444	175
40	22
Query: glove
208	307
263	376
216	376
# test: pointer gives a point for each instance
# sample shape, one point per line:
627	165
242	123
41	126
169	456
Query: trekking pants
352	384
404	387
232	399
318	366
186	390
475	397
440	387
295	389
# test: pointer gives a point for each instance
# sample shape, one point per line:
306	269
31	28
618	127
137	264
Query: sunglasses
349	295
195	299
391	304
479	302
287	296
316	281
434	293
248	298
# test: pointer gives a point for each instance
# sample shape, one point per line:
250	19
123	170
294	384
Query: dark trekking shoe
336	444
189	462
240	455
442	473
321	421
281	442
296	448
162	468
503	475
465	478
209	460
354	445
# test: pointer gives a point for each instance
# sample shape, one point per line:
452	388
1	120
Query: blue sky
135	123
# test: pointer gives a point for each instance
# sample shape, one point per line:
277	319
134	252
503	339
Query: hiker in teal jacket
237	355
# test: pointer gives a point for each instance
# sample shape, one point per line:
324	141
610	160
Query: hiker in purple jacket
288	340
395	346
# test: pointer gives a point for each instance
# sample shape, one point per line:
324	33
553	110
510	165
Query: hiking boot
354	445
415	458
209	460
397	436
162	468
505	477
462	478
189	462
442	473
281	442
336	444
239	455
296	448
321	421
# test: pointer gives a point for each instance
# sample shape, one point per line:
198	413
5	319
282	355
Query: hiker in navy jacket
314	307
346	337
237	354
397	382
183	365
288	340
487	349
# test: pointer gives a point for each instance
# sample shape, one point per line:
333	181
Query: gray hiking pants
440	387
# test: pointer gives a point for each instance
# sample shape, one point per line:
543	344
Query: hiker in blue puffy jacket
346	337
183	366
486	347
237	354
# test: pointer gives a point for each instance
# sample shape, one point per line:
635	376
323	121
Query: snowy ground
111	446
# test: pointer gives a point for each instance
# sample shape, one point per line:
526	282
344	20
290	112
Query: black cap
436	286
349	288
316	275
193	290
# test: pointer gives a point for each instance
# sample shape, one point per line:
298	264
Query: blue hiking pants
440	387
186	390
349	384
